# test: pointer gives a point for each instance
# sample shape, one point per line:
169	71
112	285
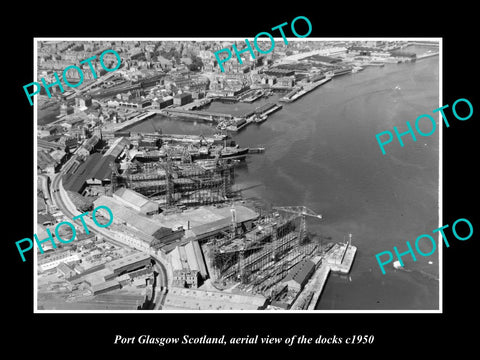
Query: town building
96	170
182	99
83	101
50	260
185	278
65	270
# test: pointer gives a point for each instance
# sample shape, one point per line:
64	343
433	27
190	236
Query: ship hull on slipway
239	154
226	153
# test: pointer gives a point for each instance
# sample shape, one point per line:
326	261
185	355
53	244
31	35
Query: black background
58	335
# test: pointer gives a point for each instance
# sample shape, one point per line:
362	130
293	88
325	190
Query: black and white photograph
214	180
254	183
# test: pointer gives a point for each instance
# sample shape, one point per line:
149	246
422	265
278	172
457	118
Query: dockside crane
167	165
302	212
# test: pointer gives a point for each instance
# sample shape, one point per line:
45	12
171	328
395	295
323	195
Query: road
62	206
161	290
46	191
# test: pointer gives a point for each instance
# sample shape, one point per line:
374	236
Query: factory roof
64	268
101	168
133	197
201	263
206	218
167	235
131	217
138	234
327	59
192	299
128	260
117	147
95	166
300	272
116	301
105	285
57	255
213	226
186	258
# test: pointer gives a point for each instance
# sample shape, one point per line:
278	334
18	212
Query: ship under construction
256	260
179	183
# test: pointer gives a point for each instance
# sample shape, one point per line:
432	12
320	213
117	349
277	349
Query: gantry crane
233	224
302	212
167	165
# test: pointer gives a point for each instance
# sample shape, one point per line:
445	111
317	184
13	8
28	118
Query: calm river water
321	152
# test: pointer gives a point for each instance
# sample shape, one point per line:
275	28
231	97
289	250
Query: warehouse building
188	265
182	99
298	276
49	260
105	287
117	147
129	263
193	299
95	170
65	270
136	201
136	229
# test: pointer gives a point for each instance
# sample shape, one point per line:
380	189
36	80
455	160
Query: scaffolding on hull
179	183
262	257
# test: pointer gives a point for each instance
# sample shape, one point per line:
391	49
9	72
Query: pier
267	109
318	284
306	89
256	150
133	121
197	104
310	294
201	115
344	266
338	259
251	95
426	55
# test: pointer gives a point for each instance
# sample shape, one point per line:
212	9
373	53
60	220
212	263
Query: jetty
338	259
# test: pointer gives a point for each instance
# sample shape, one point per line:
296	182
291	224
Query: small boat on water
261	118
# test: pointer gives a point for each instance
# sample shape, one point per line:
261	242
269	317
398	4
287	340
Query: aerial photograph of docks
258	188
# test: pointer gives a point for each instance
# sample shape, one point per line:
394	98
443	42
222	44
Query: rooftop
95	166
117	147
132	197
191	299
128	260
146	225
300	272
210	216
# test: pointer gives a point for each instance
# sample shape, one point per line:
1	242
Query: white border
259	312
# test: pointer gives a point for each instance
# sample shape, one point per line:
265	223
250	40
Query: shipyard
186	234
